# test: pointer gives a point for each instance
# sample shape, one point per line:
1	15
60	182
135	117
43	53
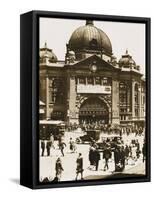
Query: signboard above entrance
94	89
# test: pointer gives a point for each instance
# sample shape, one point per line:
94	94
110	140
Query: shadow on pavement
113	176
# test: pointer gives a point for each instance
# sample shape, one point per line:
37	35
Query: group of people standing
79	162
94	157
48	145
107	128
119	154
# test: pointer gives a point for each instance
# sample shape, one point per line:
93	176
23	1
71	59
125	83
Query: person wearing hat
127	151
91	156
62	145
79	168
42	147
58	169
96	158
48	147
117	157
122	158
107	155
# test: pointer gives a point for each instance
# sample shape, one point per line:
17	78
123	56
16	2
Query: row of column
47	99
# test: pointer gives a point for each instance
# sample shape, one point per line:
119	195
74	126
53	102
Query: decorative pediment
93	63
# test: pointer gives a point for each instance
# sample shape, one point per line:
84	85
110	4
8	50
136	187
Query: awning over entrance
53	122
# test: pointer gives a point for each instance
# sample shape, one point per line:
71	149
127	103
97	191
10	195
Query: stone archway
93	110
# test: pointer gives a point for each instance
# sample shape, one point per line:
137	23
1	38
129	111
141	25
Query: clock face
94	68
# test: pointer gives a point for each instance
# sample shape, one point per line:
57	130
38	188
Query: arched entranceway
93	110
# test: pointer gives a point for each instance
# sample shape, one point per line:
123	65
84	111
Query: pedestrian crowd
107	128
112	150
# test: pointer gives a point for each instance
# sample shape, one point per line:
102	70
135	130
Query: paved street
47	164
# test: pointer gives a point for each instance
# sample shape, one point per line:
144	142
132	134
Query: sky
130	36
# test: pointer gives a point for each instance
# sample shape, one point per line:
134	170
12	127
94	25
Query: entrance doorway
93	110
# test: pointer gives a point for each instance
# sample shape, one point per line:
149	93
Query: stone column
115	102
110	116
47	98
42	89
71	99
128	97
140	101
77	80
133	99
86	81
101	80
94	80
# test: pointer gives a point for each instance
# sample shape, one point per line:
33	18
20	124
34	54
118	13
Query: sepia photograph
92	100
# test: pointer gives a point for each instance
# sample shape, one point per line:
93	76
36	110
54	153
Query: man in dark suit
42	147
107	155
48	146
96	158
79	169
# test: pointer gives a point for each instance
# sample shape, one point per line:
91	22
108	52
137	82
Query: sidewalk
47	167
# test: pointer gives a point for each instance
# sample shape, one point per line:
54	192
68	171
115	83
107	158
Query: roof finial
89	22
126	51
45	45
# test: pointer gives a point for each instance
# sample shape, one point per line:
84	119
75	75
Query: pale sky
131	36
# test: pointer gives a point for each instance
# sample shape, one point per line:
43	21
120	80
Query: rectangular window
106	81
97	80
90	80
136	112
82	80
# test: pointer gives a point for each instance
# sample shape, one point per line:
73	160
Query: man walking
72	146
52	140
79	169
96	158
48	146
91	156
126	154
122	158
58	169
107	155
62	146
144	152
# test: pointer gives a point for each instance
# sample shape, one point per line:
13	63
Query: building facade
90	85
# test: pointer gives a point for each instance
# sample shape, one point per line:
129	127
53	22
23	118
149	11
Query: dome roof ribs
90	38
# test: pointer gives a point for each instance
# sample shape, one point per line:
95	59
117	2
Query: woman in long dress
59	169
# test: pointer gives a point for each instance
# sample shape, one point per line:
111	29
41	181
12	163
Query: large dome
89	37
